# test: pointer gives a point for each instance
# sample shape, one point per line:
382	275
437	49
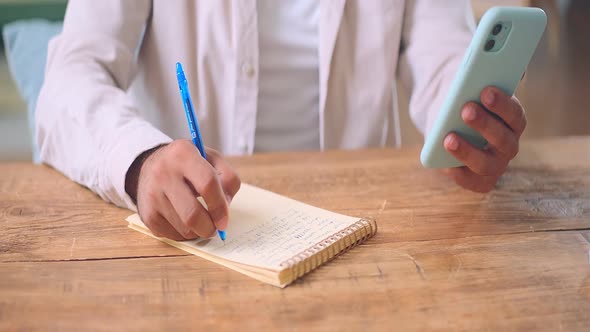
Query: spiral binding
329	248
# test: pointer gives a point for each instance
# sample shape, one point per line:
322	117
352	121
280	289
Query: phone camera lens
497	28
490	44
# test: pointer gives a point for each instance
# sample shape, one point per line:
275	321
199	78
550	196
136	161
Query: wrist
134	172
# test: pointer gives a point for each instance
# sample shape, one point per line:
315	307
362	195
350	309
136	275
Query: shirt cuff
142	138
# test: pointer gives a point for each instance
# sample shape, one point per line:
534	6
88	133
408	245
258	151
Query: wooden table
443	259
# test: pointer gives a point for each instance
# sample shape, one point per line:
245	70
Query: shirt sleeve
86	125
435	36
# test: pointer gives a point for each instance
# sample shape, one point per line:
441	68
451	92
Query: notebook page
266	229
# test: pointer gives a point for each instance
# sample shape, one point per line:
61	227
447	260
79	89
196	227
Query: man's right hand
166	181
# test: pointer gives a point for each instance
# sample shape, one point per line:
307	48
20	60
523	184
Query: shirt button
243	145
248	70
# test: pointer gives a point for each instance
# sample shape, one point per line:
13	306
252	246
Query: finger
160	227
203	177
469	180
480	161
230	181
508	108
148	205
493	130
190	211
169	213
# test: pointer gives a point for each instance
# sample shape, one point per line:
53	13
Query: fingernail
489	98
469	114
451	143
222	224
219	217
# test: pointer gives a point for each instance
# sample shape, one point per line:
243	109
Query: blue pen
193	125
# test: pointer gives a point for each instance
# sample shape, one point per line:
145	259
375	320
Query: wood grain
480	283
443	259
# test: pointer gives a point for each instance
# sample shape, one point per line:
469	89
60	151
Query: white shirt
102	104
289	79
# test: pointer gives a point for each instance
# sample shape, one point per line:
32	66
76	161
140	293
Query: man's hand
167	183
483	167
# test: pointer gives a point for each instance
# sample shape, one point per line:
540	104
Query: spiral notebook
273	238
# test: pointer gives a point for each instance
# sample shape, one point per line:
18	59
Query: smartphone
498	55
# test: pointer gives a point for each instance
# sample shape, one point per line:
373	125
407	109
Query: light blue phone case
502	67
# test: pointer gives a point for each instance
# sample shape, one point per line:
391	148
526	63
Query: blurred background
555	91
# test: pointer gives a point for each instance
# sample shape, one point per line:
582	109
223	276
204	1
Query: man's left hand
483	167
